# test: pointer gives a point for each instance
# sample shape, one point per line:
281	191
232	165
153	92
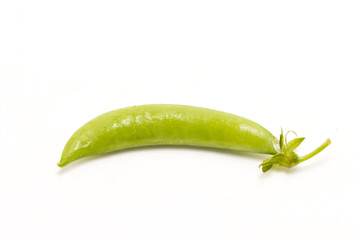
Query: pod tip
60	164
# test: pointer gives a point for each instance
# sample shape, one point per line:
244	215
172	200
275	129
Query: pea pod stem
316	151
287	157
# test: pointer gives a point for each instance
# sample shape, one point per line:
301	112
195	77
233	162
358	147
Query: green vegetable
163	124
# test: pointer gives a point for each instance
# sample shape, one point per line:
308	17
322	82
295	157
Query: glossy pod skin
163	124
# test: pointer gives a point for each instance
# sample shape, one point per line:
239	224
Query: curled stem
287	134
316	151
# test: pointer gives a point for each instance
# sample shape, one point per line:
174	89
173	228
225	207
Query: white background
289	64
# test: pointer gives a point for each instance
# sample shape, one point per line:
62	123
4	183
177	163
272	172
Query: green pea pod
164	124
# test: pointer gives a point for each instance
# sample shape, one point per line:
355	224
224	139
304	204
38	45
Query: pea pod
164	124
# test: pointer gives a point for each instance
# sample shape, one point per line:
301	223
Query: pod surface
166	124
